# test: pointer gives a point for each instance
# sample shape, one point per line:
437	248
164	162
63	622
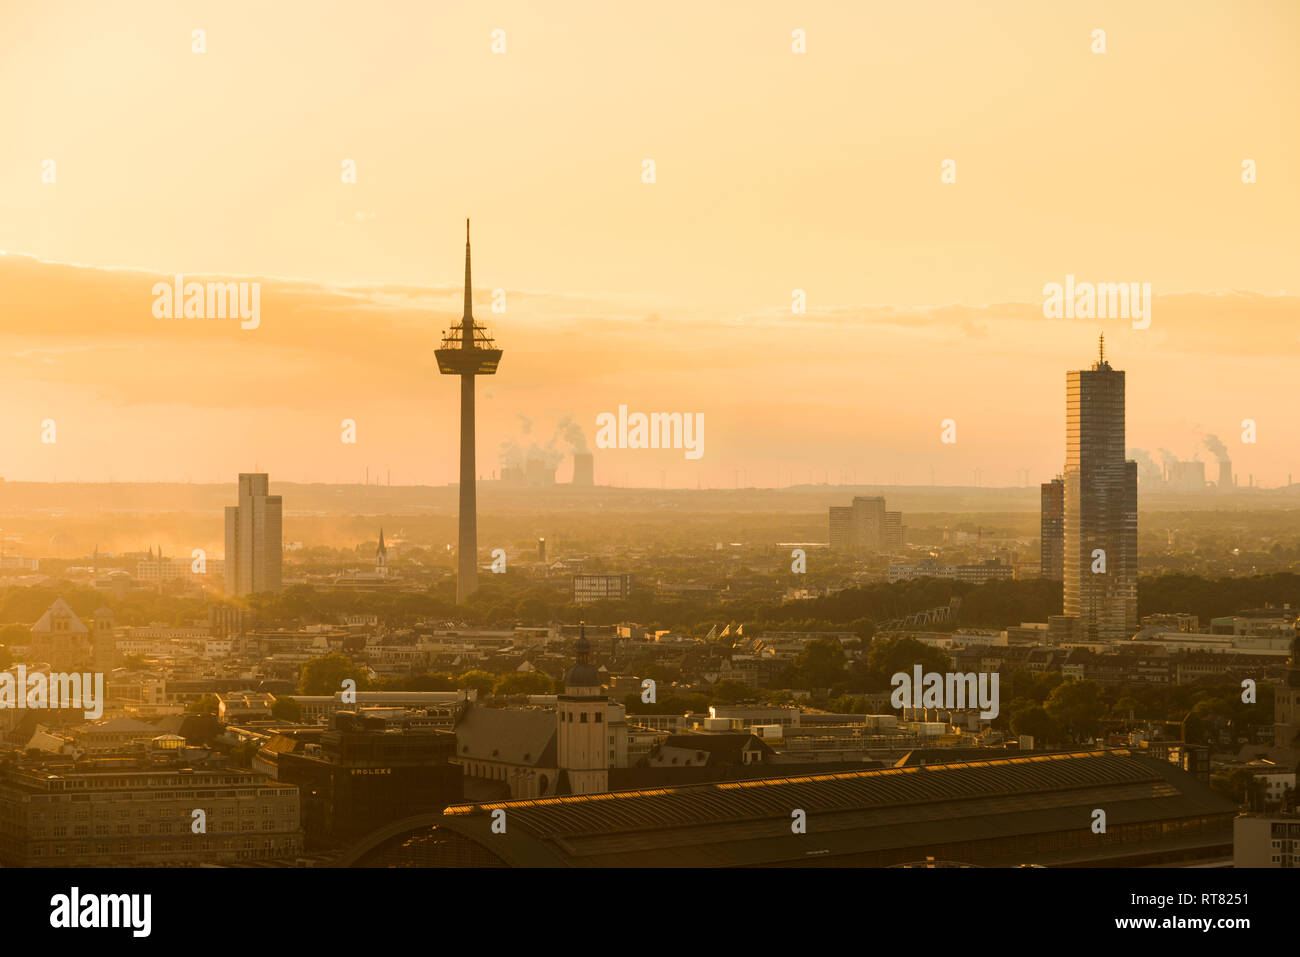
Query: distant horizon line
1034	487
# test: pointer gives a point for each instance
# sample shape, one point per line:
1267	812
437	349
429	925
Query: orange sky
775	171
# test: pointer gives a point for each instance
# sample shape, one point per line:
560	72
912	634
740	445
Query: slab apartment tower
865	526
1051	559
1100	561
254	545
467	351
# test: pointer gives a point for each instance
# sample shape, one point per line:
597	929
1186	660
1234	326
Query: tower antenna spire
1101	348
467	321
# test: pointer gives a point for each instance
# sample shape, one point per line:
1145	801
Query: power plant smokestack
1215	445
584	469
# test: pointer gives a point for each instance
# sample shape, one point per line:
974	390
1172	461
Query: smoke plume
1220	450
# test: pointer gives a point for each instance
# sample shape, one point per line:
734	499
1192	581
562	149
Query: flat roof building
1003	812
122	812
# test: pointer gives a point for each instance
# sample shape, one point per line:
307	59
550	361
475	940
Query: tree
1035	721
892	656
1240	785
286	709
1078	708
208	704
524	682
433	681
821	664
532	611
661	674
325	675
729	692
864	628
14	635
479	681
503	612
245	751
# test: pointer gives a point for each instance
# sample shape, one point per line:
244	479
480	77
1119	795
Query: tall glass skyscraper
1100	506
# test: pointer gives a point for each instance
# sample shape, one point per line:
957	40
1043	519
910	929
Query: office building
865	526
1100	561
590	588
254	548
372	767
895	532
125	811
841	521
1266	840
989	570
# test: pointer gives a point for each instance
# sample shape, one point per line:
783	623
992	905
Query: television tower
467	350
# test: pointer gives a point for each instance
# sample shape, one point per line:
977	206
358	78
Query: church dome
584	673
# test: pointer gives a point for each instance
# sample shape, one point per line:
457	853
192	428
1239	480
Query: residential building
254	538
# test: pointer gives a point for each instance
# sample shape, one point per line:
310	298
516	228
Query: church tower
381	557
583	739
103	642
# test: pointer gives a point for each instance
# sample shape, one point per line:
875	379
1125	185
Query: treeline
1005	603
1216	598
506	599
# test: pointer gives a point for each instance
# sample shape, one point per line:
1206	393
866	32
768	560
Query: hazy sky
775	171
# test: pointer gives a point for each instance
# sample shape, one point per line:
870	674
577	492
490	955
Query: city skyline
893	466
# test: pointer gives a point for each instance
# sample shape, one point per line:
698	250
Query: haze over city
924	299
